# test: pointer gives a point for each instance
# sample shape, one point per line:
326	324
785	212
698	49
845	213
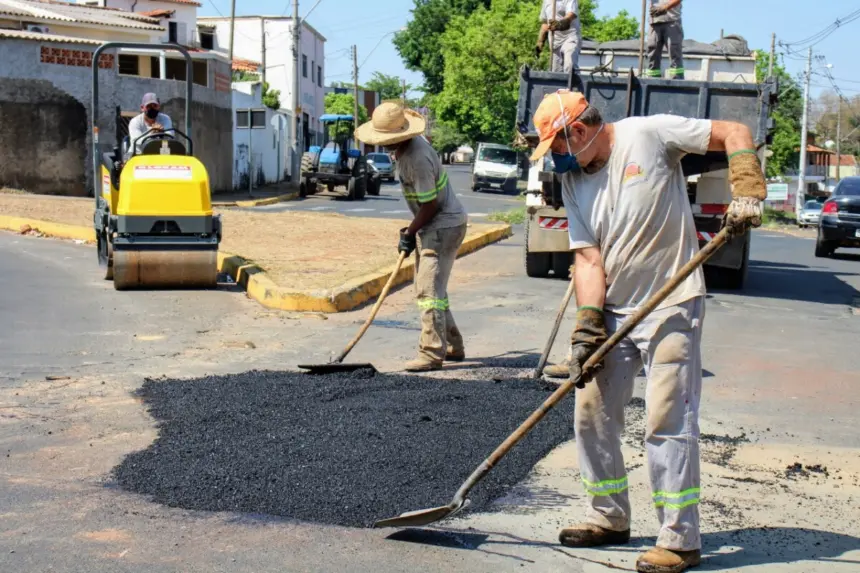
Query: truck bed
623	95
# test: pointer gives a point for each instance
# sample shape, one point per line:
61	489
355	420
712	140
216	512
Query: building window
207	41
129	65
304	66
172	32
242	118
313	72
319	76
257	116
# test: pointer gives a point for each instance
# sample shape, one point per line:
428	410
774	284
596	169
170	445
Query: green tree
271	98
343	104
483	53
389	87
419	43
445	137
786	114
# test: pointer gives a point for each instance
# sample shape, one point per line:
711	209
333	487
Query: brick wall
45	100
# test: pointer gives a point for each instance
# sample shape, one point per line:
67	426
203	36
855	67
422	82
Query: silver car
383	165
809	215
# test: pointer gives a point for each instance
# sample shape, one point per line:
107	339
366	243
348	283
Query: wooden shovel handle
703	255
373	311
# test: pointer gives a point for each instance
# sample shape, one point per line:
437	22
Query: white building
268	39
263	149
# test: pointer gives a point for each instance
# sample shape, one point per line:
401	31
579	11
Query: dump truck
619	94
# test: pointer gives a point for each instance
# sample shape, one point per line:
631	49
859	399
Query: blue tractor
336	163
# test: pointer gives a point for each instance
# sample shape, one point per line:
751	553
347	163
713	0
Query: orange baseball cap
557	110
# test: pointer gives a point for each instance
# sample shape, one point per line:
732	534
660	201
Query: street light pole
838	137
296	161
804	133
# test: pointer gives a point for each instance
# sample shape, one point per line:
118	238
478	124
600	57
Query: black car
839	225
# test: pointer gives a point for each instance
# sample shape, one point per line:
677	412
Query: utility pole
642	38
403	89
769	75
838	137
263	46
296	110
551	43
232	29
801	178
355	85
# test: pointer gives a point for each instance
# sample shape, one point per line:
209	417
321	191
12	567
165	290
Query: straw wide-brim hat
391	123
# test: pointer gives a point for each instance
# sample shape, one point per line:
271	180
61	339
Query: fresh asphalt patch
345	449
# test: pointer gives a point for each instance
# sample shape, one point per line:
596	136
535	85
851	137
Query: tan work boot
455	355
423	364
558	370
659	560
590	535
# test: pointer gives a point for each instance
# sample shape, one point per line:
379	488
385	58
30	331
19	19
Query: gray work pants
668	343
565	56
661	34
435	256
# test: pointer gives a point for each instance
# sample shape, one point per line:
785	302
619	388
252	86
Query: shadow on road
723	550
789	281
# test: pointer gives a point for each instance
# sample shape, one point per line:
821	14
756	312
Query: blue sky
366	22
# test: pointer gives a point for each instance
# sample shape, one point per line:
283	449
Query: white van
495	167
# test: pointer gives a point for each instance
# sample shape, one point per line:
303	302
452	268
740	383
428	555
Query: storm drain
344	449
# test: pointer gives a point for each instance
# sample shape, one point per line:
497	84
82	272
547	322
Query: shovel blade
422	516
334	367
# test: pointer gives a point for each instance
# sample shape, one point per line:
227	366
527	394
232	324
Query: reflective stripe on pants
434	260
668	344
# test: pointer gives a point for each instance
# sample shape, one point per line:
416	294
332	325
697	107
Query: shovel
337	364
427	516
543	358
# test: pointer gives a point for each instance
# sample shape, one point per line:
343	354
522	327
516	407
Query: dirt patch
344	449
300	251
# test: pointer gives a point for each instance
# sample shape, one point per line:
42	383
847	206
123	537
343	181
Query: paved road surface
780	366
390	204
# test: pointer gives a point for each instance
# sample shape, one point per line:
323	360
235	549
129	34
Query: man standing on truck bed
631	229
666	28
439	225
566	33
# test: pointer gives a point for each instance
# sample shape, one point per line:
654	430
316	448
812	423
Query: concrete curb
347	296
59	230
786	230
258	202
254	280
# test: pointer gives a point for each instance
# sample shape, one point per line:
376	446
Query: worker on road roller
153	220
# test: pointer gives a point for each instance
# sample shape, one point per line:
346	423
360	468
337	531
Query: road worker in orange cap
631	229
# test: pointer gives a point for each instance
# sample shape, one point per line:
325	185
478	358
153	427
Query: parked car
495	168
809	215
839	225
382	164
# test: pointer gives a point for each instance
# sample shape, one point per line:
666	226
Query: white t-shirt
562	9
636	210
137	127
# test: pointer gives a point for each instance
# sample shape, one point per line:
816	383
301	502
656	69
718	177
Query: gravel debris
344	449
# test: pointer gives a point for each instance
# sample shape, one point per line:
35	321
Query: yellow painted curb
345	297
59	230
258	202
253	279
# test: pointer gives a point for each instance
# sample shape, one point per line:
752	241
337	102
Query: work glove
156	127
407	242
748	191
588	336
561	25
538	49
658	10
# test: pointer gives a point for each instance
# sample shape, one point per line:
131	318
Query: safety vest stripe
605	487
434	304
681	505
679	494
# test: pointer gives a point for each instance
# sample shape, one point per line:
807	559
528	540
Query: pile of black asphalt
345	449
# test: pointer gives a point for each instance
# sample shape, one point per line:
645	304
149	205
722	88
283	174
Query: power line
825	32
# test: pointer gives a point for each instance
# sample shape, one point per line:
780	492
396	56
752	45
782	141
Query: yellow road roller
153	216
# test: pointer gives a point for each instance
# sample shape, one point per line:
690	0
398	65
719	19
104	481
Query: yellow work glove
748	191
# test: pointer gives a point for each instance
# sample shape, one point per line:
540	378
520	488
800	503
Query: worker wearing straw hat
435	234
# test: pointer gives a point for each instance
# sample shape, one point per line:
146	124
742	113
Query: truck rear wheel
537	265
735	279
561	265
